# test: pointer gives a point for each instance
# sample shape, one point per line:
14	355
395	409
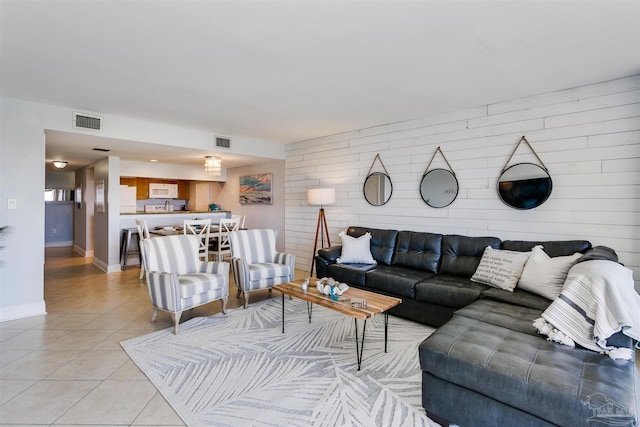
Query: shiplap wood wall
588	137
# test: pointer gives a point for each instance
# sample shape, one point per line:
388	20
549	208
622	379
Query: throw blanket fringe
598	300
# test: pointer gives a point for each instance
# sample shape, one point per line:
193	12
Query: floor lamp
320	196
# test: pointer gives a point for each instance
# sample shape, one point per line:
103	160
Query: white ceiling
285	71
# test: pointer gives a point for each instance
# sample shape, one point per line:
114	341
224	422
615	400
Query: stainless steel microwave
163	191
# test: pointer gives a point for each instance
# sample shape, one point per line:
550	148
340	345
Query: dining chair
178	280
242	219
220	247
143	233
199	228
255	262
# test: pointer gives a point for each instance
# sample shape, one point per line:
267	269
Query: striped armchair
255	262
178	280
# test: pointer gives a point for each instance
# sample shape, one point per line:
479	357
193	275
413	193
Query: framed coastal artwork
256	189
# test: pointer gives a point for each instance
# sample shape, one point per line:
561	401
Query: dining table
172	231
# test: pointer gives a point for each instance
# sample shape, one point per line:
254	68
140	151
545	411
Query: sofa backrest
383	242
172	254
461	254
552	248
418	250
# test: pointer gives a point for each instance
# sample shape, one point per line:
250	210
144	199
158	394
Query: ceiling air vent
84	121
222	142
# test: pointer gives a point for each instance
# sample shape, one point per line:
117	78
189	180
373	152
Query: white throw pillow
545	276
356	250
500	269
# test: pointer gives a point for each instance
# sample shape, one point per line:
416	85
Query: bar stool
143	233
125	246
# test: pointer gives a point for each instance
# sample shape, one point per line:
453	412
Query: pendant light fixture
212	165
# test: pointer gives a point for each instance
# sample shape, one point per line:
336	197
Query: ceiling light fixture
60	164
212	165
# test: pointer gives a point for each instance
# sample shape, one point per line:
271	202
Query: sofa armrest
240	270
599	253
164	291
287	259
330	254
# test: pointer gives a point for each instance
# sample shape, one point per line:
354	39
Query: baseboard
82	251
107	268
58	244
21	311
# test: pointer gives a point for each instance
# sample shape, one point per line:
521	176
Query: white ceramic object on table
324	286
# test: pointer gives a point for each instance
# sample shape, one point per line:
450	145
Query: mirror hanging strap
532	150
433	157
374	162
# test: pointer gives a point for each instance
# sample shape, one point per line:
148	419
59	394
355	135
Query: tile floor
67	368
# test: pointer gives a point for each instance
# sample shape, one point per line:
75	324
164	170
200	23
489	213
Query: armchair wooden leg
176	321
246	298
154	315
224	305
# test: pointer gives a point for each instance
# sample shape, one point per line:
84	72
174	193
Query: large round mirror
377	188
524	186
439	188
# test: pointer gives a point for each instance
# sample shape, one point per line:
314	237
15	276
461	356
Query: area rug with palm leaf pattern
239	369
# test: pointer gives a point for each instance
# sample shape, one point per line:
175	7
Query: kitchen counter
166	219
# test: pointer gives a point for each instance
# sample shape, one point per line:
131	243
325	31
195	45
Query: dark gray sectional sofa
486	365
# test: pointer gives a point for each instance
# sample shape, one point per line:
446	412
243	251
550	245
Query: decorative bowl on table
169	228
326	284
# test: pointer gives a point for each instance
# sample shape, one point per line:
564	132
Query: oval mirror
377	188
524	186
439	188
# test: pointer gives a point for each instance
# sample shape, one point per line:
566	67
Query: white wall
588	137
22	177
258	216
63	179
166	171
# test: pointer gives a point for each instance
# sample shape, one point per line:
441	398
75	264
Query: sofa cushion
383	242
551	381
461	254
552	248
545	276
418	250
355	250
396	280
450	291
500	268
517	297
498	313
352	274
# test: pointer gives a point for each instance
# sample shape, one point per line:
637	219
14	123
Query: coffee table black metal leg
309	310
386	327
360	348
283	312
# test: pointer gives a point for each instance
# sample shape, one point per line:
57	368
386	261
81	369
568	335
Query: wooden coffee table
376	304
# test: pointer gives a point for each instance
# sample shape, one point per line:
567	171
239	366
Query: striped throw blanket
598	299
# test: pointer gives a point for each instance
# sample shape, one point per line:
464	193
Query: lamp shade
321	196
